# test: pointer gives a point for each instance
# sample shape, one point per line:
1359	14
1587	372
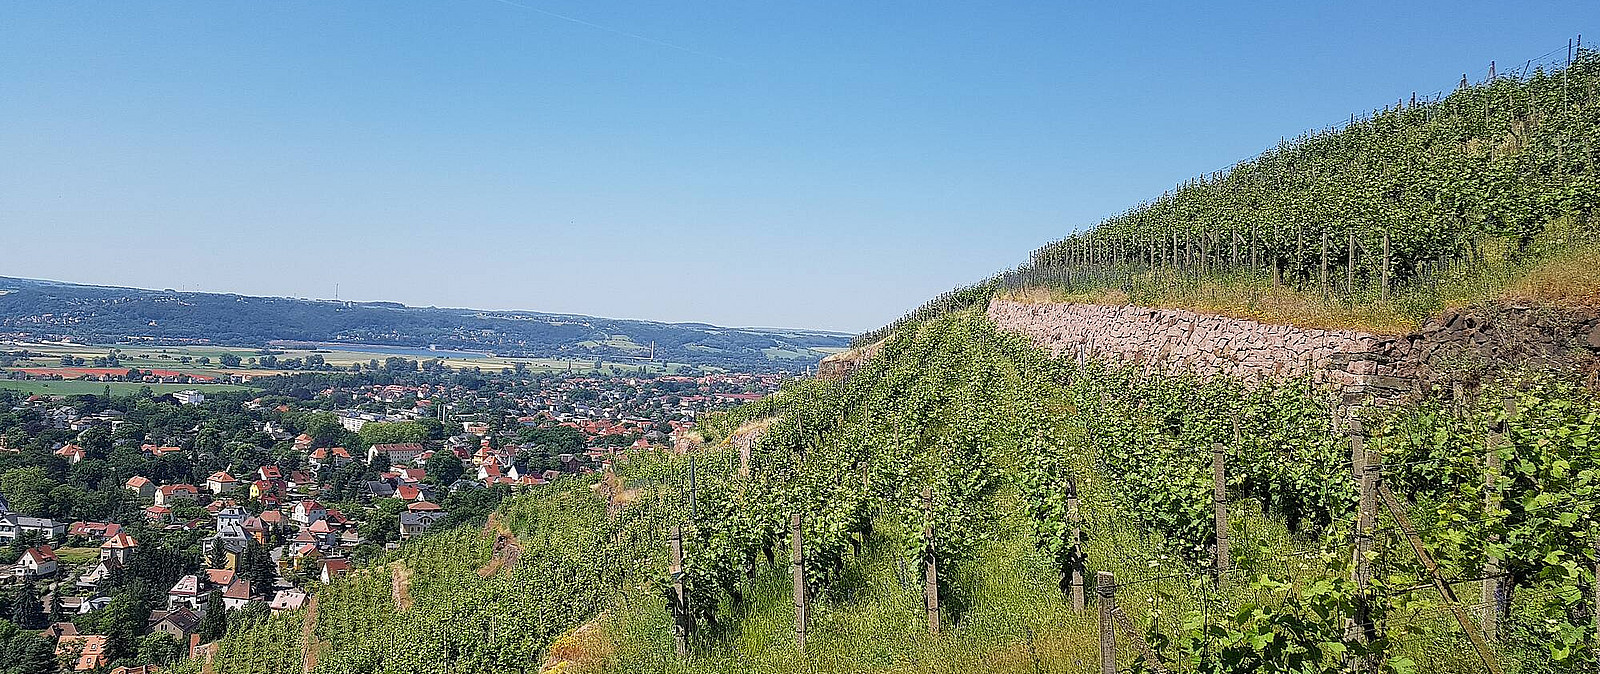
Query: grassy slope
1561	277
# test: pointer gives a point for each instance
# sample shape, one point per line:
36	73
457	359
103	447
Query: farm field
70	387
186	359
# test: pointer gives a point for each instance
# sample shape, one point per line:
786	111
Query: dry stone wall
1457	344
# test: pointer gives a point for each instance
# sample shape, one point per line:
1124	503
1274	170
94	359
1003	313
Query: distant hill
105	314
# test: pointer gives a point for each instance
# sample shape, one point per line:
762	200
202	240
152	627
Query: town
138	526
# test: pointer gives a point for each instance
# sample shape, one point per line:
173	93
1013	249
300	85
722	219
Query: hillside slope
101	313
959	491
1374	225
1001	436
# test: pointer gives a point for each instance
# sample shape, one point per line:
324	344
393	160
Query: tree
31	653
215	622
257	567
28	489
379	432
25	610
124	619
323	427
57	614
228	360
158	648
444	468
383	526
214	557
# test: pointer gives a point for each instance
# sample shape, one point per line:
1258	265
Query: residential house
300	479
332	457
256	529
288	600
306	512
91	579
72	453
304	442
141	485
88	651
323	535
333	568
189	397
397	453
36	562
179	622
118	548
185	592
219	577
238	594
96	531
87	605
173	494
13	525
379	488
414	523
221	482
158	514
269	492
230	523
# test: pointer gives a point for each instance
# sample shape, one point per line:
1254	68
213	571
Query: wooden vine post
1075	578
801	610
1350	267
930	590
1385	290
1493	585
1439	583
1366	470
1106	588
1595	595
1219	497
1323	278
680	611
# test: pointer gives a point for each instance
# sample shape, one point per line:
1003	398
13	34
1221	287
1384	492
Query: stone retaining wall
1457	344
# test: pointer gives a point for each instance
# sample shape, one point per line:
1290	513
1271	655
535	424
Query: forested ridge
109	314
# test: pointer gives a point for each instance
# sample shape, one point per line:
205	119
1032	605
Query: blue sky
809	164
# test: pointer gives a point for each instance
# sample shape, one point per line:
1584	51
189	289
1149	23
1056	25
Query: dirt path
612	489
584	649
400	585
308	638
506	549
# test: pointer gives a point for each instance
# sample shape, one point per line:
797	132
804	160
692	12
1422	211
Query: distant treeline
105	314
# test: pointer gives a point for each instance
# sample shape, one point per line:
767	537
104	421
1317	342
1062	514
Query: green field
67	387
171	358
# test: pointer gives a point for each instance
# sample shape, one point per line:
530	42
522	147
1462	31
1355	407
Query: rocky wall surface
1458	344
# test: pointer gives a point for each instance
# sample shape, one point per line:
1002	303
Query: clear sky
814	164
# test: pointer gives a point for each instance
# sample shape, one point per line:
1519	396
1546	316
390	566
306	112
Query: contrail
636	36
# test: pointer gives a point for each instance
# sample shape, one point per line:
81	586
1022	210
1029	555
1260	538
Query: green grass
68	387
77	556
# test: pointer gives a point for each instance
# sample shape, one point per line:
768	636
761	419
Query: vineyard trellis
1397	196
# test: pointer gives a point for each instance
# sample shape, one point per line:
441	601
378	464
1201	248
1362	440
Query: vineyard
1414	205
1018	478
964	502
